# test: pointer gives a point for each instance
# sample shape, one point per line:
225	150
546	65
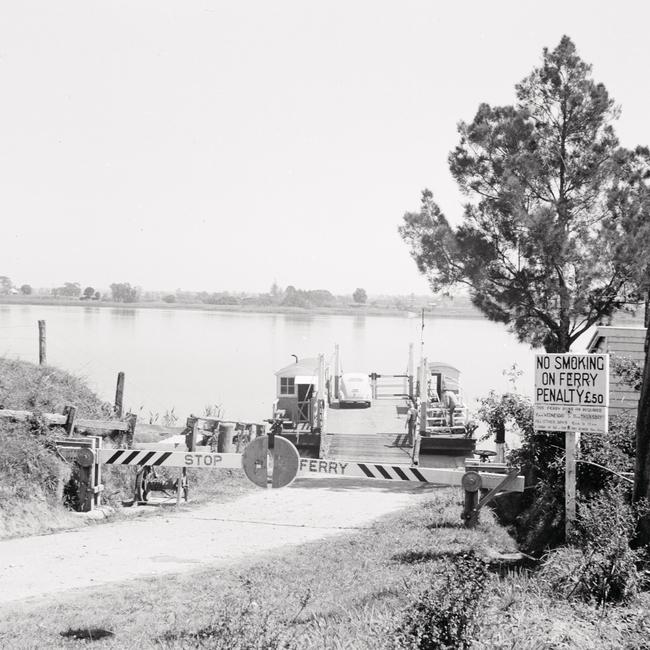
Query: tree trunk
642	465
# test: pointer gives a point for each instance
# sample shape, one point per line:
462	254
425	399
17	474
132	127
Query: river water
188	360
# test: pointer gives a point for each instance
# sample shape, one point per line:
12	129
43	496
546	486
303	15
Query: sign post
572	396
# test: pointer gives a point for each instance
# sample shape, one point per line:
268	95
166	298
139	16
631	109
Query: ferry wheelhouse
447	412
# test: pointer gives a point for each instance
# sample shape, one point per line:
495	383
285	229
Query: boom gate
273	461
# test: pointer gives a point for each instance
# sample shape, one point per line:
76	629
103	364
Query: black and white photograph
324	325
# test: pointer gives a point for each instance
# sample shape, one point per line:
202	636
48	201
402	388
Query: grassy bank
350	310
358	590
33	477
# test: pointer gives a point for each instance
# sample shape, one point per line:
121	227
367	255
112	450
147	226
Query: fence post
337	370
572	439
96	473
42	352
424	395
410	372
71	413
132	420
225	438
119	395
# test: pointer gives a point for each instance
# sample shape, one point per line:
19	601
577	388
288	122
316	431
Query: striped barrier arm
310	467
150	458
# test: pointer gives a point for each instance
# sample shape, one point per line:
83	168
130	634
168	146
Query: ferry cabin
297	385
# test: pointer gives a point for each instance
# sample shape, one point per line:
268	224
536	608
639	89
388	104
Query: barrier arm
311	467
152	458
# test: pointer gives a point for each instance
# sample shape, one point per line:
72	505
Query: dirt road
210	536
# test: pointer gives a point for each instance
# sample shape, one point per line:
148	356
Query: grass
351	591
25	386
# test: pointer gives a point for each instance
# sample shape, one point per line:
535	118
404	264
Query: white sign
571	392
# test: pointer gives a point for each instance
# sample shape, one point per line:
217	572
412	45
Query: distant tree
295	298
320	298
170	297
5	285
69	290
89	292
26	290
124	292
359	296
275	291
97	295
556	234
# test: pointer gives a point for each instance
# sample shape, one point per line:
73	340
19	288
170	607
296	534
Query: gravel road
211	536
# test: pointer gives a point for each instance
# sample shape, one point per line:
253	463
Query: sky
213	145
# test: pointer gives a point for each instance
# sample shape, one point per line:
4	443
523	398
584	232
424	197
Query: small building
297	385
619	342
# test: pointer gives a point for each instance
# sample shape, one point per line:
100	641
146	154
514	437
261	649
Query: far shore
354	310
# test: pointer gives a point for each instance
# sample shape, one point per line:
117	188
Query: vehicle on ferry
355	389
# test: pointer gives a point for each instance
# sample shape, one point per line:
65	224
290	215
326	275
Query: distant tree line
291	296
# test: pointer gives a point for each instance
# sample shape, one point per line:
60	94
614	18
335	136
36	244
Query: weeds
167	419
213	411
600	567
246	625
443	616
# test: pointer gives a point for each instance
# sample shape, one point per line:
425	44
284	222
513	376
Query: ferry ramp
376	434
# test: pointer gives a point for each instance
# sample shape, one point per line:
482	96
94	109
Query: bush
540	522
601	568
443	616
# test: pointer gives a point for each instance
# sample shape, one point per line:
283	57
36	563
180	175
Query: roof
450	374
303	367
444	368
603	331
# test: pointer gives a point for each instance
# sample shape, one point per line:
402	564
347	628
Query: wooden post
225	439
132	420
572	439
191	438
119	395
337	370
42	352
471	501
71	413
410	371
424	395
321	376
500	442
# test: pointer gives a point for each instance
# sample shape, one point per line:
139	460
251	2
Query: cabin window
287	385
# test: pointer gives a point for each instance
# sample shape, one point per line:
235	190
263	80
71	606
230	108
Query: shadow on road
365	485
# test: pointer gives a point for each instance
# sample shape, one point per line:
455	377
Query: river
188	360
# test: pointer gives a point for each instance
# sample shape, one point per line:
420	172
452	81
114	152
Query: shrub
601	567
443	616
540	522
